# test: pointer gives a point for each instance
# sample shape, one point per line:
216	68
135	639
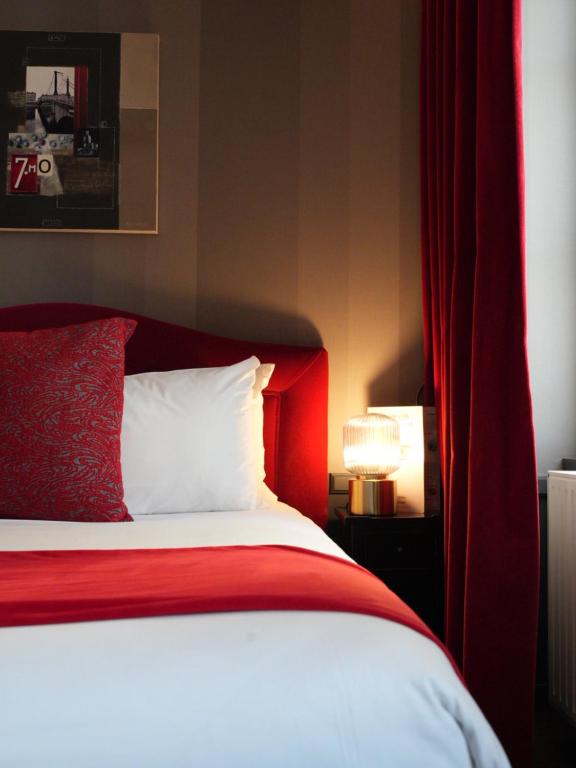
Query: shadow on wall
381	389
38	267
256	323
134	281
230	319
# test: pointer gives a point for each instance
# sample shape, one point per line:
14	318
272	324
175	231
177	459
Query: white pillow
190	439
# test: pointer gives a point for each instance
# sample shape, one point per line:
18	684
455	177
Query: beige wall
288	185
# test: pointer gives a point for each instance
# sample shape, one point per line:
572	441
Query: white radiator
562	591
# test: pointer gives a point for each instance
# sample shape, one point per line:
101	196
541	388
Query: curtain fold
473	272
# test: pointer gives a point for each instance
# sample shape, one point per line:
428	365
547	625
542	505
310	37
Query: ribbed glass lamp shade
372	445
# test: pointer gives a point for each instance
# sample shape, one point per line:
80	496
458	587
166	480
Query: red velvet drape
476	363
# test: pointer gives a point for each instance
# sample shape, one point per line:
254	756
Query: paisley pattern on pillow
61	400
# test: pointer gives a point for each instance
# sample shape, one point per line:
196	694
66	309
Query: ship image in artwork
50	99
56	109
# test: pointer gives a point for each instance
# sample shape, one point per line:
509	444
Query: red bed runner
52	587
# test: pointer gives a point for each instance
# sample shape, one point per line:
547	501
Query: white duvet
271	689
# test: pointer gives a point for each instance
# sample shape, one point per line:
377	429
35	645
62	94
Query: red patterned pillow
61	399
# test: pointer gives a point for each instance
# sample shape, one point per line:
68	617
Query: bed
270	679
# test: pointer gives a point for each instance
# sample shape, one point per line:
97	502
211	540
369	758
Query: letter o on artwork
44	166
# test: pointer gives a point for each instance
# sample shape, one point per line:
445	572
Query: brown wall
288	185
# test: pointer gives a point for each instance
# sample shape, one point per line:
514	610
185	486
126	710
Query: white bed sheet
244	690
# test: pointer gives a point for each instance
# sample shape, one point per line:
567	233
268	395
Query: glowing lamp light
372	452
372	445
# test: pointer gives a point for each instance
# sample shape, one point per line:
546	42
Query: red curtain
475	346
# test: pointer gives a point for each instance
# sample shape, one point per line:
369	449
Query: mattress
279	689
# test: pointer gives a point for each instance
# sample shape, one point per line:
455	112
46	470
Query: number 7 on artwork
24	174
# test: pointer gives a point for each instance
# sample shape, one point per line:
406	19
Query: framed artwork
79	132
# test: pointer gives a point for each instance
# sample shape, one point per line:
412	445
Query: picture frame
79	130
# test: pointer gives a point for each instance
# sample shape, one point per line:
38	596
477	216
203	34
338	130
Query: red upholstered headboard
295	402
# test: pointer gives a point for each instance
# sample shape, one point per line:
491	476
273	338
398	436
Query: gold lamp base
372	496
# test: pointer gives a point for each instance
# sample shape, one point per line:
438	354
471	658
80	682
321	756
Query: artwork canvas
79	131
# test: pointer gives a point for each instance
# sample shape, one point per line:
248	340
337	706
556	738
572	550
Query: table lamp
372	452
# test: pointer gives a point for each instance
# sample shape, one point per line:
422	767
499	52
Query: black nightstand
405	552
